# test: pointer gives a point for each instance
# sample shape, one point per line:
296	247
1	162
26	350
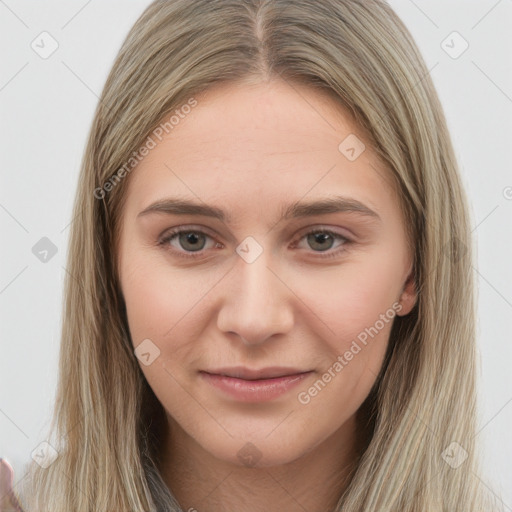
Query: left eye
323	239
193	241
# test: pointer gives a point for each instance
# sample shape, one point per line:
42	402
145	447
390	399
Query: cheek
350	298
158	300
167	308
363	311
351	311
360	319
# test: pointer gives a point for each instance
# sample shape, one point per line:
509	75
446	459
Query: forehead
260	143
270	117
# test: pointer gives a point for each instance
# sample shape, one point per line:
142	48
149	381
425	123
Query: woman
213	358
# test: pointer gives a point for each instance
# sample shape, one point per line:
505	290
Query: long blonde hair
107	422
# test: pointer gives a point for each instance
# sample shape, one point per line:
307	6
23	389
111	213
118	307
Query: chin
257	450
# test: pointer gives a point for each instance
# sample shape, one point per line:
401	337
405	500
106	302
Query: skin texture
250	150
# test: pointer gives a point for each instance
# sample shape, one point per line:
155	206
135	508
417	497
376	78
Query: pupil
192	239
320	239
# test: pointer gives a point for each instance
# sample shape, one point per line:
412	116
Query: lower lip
254	390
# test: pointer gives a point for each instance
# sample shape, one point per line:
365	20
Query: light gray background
46	107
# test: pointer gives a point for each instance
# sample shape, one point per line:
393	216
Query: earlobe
408	296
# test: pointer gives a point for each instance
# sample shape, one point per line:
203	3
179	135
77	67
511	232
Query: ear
409	295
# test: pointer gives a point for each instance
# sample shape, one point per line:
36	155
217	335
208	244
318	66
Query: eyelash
198	254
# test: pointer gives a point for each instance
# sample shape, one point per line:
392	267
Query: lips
240	372
245	385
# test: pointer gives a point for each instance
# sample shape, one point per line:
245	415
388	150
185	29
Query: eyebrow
335	204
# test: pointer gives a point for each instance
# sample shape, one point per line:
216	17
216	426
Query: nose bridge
255	305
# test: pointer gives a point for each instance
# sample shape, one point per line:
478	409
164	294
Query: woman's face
248	289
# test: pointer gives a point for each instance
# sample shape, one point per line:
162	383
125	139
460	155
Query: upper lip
241	372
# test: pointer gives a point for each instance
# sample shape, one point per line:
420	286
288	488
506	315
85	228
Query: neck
313	482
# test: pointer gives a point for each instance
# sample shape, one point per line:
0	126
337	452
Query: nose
256	302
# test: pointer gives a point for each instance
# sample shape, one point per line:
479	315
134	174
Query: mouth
246	385
240	372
